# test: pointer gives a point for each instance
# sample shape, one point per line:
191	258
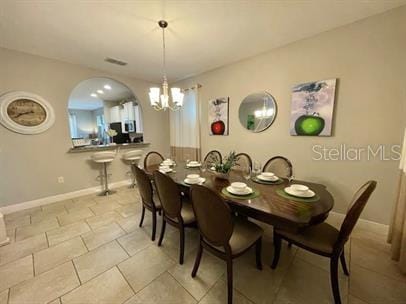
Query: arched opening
104	111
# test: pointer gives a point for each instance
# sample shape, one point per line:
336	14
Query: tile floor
91	250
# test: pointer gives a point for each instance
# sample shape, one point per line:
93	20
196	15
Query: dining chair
243	161
279	165
177	210
222	234
150	200
325	240
152	158
213	156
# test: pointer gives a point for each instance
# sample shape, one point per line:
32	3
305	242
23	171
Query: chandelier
161	101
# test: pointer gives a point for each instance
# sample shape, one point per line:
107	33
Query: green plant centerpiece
222	169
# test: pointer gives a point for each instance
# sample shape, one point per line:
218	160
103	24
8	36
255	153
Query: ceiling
80	98
201	36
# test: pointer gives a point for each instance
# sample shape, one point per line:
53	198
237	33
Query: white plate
307	194
165	171
193	165
267	179
201	180
247	191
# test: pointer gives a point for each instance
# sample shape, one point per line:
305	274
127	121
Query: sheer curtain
397	229
185	128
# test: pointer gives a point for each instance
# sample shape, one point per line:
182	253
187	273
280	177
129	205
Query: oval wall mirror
257	111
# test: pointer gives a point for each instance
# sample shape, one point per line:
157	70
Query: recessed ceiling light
93	95
107	87
100	91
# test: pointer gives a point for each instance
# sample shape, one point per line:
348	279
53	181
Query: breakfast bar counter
93	148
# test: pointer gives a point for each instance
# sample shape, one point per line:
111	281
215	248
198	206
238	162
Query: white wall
368	58
30	164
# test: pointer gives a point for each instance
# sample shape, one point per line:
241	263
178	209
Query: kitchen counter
94	148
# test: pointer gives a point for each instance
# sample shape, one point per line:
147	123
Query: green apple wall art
312	108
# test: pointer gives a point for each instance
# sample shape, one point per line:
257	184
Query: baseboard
363	224
59	197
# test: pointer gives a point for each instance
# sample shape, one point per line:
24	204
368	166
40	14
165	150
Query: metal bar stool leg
132	185
106	191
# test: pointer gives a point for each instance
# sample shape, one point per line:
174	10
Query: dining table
269	206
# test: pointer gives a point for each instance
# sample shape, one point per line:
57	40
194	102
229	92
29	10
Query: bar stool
104	158
132	157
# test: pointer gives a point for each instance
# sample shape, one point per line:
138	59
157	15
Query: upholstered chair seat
320	238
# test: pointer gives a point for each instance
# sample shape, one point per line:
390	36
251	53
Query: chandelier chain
163	52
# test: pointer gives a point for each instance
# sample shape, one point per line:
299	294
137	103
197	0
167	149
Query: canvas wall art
218	116
312	108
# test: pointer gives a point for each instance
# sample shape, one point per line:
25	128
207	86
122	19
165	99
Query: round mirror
257	111
104	111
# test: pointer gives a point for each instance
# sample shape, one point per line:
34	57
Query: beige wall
369	59
30	164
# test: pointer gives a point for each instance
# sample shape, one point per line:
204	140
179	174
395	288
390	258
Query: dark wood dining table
269	206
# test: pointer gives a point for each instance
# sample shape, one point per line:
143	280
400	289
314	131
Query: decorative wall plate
25	113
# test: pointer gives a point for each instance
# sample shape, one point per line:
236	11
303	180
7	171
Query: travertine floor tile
21	213
81	203
45	287
11	233
145	266
129	210
58	206
17	221
23	248
210	270
373	287
4	296
75	216
37	228
103	219
164	290
130	223
218	295
305	283
67	232
108	288
135	241
375	256
42	216
104	207
99	260
15	272
320	261
56	255
84	200
102	235
57	301
354	300
170	244
261	286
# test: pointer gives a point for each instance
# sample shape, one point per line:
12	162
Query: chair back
243	161
169	194
144	186
152	158
213	156
279	165
358	203
213	216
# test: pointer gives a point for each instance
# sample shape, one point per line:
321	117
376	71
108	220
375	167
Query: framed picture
312	108
25	113
218	116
